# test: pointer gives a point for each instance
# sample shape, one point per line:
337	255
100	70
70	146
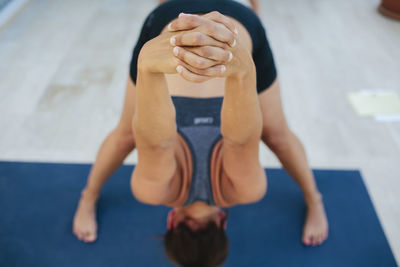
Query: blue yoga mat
38	200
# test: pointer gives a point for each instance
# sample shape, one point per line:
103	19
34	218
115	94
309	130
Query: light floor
64	65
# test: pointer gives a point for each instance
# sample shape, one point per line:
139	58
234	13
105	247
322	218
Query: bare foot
315	230
85	225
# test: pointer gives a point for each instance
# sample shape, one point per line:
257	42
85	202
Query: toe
306	240
320	239
91	238
80	236
310	240
85	236
75	230
324	237
314	240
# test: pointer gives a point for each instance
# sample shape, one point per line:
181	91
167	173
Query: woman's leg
287	147
115	148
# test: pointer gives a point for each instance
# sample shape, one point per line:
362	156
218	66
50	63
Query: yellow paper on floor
371	103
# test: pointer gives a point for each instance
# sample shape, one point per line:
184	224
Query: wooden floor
64	64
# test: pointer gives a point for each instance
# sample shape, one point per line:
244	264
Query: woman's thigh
275	126
125	122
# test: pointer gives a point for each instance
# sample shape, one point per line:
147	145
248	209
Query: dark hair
207	247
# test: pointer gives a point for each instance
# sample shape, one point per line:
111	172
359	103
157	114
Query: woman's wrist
143	65
241	65
150	79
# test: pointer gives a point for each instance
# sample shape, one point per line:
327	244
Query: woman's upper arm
243	173
157	178
153	173
237	177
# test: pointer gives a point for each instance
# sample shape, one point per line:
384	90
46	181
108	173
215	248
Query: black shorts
166	12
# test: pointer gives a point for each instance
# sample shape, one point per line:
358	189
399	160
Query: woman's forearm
154	122
241	118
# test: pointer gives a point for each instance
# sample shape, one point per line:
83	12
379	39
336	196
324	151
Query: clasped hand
197	47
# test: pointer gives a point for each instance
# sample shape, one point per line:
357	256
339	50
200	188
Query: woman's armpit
185	166
220	182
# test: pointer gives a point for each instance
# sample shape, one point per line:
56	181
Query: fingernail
170	27
236	31
175	51
179	68
234	43
172	40
223	69
230	56
182	14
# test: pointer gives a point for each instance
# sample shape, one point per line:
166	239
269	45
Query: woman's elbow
254	193
144	194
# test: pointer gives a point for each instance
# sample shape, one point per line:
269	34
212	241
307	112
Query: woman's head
192	242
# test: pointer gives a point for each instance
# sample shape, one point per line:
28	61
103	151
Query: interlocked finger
185	22
215	71
190	76
211	52
195	38
193	59
215	29
218	31
218	17
190	21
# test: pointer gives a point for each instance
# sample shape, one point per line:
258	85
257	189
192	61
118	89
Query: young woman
202	92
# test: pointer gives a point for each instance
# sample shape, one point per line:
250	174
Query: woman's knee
124	138
277	140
